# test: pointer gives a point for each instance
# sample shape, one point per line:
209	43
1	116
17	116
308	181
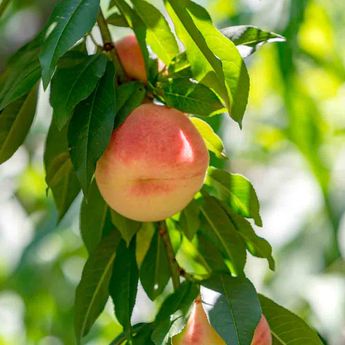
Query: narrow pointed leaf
212	140
124	284
189	97
127	227
93	290
236	191
93	218
237	310
15	123
60	176
91	127
190	219
159	36
286	327
228	239
155	270
81	80
70	20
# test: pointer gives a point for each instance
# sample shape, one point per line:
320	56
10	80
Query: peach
131	58
198	330
154	164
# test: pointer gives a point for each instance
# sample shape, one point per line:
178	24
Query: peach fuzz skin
154	164
131	58
199	331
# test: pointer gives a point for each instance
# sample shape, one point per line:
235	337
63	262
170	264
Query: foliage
206	79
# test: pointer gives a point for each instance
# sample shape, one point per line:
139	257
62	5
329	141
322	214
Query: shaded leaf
92	292
15	123
70	20
248	38
117	19
189	219
286	327
158	33
227	238
124	284
81	79
237	310
144	238
21	73
212	140
129	97
236	191
93	218
91	127
189	97
155	270
60	176
127	227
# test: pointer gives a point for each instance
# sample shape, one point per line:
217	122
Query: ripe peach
131	58
198	330
154	164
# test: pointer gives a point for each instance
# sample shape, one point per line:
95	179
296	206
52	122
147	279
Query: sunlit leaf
286	327
212	140
236	191
70	20
158	34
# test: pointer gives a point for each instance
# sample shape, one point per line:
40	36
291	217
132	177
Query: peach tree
188	68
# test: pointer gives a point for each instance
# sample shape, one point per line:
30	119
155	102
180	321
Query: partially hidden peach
154	164
199	331
131	58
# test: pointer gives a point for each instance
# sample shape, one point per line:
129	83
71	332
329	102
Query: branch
174	267
109	46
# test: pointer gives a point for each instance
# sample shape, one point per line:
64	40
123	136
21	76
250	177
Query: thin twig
174	267
108	45
3	6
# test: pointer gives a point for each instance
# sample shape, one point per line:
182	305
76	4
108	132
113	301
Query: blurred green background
292	148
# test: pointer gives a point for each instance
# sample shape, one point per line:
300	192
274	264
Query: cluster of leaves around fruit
206	243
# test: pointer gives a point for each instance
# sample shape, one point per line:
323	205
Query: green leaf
15	123
117	19
249	38
189	219
158	33
93	218
236	311
256	245
21	73
227	238
81	80
236	191
138	26
69	22
144	238
60	178
214	59
91	127
129	96
124	284
189	97
174	306
212	140
179	67
286	327
155	270
127	227
92	292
